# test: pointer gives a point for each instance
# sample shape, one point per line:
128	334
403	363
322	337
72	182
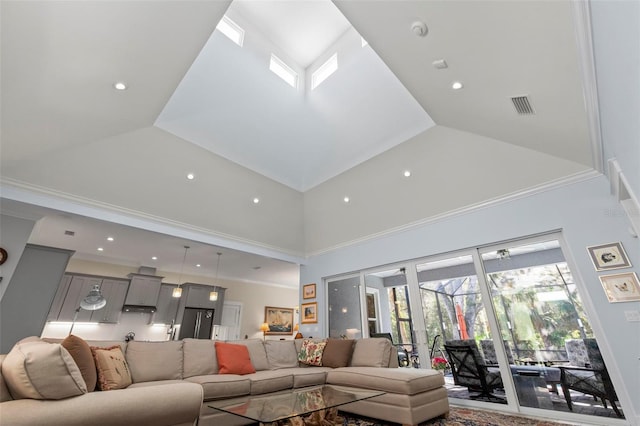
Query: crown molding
16	190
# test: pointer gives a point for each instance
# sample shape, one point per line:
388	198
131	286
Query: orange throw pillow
233	359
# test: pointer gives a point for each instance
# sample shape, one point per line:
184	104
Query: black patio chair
469	370
592	379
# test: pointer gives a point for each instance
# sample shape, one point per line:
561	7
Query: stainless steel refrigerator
196	323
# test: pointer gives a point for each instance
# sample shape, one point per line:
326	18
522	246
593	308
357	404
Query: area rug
459	416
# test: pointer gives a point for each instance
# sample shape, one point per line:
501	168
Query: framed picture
621	287
310	313
608	256
309	291
280	320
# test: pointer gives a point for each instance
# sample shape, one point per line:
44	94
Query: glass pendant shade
94	300
213	296
177	292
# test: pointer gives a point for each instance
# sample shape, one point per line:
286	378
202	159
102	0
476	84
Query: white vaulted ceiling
196	102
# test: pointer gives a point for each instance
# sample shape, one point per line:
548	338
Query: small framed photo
621	287
608	256
309	291
279	320
310	313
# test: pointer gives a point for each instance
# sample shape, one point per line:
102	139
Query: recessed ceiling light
407	173
197	265
256	200
109	238
346	199
100	249
457	85
154	258
120	86
191	176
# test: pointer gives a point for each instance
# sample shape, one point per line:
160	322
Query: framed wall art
608	256
309	313
309	291
621	287
279	320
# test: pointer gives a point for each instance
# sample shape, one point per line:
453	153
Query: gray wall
581	210
27	300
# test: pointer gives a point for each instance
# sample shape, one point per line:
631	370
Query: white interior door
231	320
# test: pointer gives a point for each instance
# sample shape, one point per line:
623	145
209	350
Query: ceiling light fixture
346	199
407	173
120	86
177	292
419	28
154	258
197	265
213	295
109	238
100	249
457	85
191	176
256	200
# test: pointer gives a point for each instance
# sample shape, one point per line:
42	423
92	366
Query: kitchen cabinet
114	291
143	290
198	296
79	287
58	299
167	305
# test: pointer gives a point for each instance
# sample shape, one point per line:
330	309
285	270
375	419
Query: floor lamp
94	301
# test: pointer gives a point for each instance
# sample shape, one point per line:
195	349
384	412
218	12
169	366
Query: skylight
283	71
232	30
325	70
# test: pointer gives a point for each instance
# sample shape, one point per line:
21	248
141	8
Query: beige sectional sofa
172	383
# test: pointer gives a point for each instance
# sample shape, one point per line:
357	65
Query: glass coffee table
315	405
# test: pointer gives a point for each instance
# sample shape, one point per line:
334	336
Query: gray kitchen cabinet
79	287
114	291
58	299
167	305
143	290
198	296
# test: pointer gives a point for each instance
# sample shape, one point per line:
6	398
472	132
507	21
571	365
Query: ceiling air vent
522	105
70	233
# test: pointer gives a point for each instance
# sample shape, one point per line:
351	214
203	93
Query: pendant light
213	295
177	292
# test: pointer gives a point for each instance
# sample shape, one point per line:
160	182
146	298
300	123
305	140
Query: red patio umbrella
461	324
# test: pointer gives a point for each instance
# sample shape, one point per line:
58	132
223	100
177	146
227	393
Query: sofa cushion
309	376
41	370
219	386
408	381
111	365
371	352
5	395
270	381
149	361
256	352
311	352
337	353
281	354
233	359
199	357
81	354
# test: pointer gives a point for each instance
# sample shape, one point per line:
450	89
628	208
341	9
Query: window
283	71
325	70
232	30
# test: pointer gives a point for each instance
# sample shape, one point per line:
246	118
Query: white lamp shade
94	300
213	296
177	292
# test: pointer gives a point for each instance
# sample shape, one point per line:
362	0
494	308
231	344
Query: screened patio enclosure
521	294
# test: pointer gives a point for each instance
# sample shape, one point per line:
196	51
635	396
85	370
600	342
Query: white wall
254	298
14	234
586	214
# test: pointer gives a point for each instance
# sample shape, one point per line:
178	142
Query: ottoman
412	395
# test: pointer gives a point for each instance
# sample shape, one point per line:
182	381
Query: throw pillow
371	352
233	359
281	354
337	353
81	354
112	367
41	370
311	352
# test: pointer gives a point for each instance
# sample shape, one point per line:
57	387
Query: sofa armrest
163	405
